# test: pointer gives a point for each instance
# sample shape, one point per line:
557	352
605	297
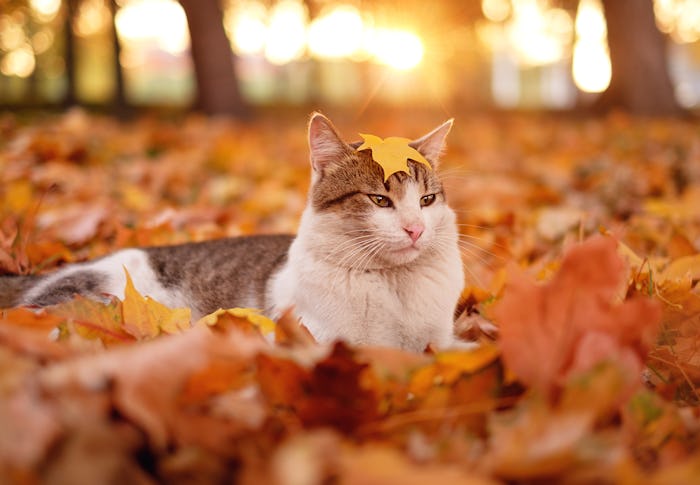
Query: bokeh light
679	18
496	10
396	48
93	18
246	27
591	69
45	10
286	39
162	22
20	62
336	33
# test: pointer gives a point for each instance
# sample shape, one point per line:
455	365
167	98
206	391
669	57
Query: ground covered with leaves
581	241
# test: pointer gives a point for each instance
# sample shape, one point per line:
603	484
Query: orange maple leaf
546	331
92	319
146	318
392	153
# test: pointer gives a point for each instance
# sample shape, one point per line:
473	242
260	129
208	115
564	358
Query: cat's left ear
325	144
432	145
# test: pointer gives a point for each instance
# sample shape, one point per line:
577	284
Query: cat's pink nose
414	231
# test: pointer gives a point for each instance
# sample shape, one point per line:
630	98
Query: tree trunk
217	86
70	97
119	105
640	82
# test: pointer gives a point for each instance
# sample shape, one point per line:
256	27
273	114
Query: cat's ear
325	145
432	145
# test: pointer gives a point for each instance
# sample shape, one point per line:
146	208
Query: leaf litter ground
580	239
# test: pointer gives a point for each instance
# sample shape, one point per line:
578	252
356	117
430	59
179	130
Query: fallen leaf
541	326
145	318
91	319
392	153
243	318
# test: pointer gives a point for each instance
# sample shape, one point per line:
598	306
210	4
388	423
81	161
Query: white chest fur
407	307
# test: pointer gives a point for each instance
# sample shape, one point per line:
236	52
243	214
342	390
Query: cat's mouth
407	253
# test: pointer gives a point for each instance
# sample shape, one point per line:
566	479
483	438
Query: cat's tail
13	287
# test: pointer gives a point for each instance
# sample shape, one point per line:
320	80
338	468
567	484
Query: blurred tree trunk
120	106
70	97
217	87
640	82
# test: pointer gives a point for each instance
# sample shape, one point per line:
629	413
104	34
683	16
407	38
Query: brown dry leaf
335	392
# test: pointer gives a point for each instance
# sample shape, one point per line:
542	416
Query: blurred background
238	56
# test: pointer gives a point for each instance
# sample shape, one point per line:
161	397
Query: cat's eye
380	200
426	200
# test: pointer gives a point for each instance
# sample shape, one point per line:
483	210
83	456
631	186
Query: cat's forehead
371	175
355	172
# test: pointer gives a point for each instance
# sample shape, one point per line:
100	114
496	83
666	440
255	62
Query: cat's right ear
325	145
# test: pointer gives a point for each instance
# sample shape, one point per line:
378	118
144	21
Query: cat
373	262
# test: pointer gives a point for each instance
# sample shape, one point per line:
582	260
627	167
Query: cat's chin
402	256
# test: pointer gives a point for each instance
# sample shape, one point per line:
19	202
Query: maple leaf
333	393
146	318
92	319
543	326
392	153
242	318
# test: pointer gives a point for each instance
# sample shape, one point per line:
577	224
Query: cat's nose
414	231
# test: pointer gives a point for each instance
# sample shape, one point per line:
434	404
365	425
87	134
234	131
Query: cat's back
223	272
203	276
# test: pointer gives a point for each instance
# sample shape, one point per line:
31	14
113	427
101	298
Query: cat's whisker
471	249
483	261
367	251
443	250
351	252
371	255
485	250
474	226
349	245
478	281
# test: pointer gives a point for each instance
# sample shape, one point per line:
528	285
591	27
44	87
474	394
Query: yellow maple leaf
392	153
146	318
251	315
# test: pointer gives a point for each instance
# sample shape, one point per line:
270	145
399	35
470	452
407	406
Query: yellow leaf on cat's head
392	153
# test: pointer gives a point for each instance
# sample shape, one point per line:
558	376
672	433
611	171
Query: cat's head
360	221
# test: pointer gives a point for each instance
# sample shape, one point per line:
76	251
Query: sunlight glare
92	18
20	62
399	49
160	21
12	35
247	28
590	20
679	18
591	67
539	36
45	10
496	10
286	39
336	33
